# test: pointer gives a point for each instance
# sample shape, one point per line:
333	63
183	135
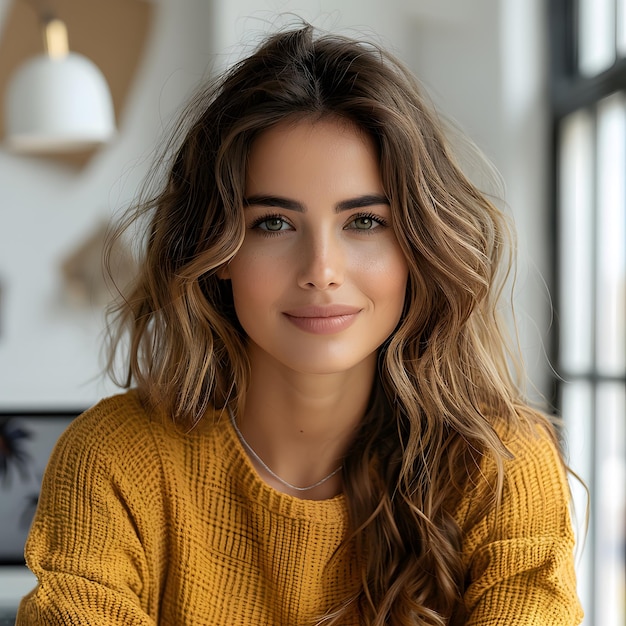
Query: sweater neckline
258	491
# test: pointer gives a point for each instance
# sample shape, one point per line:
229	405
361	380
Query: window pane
576	169
621	28
611	241
610	566
578	417
596	36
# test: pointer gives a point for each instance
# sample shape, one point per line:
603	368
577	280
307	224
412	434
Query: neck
301	425
283	484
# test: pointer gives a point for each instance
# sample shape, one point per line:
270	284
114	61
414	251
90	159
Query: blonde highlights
443	375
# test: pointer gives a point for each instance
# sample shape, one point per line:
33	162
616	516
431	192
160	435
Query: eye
366	222
271	224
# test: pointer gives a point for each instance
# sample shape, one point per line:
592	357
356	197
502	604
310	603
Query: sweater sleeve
520	557
94	544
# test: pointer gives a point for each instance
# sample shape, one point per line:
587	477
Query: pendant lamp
58	101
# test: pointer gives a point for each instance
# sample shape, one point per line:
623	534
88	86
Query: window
588	100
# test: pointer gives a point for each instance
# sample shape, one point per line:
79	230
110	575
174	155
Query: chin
328	364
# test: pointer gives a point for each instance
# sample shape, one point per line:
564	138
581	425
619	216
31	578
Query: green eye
365	222
272	224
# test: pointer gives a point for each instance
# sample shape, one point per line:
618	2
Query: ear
223	273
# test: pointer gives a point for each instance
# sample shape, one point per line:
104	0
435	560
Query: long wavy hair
444	375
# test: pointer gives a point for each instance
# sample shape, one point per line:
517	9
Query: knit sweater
140	524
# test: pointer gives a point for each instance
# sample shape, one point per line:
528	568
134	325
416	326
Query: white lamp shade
58	105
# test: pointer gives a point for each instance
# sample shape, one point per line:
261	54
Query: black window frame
569	92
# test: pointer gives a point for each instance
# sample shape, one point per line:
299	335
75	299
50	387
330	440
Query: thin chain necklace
250	449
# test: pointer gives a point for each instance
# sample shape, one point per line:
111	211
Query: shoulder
123	432
536	485
121	450
118	439
125	419
115	412
519	556
533	487
119	422
526	483
535	459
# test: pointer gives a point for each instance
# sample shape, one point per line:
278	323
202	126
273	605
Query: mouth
331	310
323	320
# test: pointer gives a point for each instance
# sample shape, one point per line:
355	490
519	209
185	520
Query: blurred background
538	85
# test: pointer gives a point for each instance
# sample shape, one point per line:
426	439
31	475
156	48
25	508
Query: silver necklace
250	449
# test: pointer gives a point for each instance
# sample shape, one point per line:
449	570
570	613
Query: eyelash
275	216
266	218
368	216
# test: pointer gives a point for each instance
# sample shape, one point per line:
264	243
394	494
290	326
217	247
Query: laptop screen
26	441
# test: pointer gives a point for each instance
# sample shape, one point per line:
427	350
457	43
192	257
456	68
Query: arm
94	545
520	557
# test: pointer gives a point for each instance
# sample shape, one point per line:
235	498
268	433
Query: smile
323	320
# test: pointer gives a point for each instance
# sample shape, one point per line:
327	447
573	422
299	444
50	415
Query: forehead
310	153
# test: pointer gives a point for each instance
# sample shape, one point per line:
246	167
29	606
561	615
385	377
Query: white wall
481	61
50	351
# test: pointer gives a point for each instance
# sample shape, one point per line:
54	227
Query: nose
321	262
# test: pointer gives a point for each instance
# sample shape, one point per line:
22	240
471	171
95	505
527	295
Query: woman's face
320	280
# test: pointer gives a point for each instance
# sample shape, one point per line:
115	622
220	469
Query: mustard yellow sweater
139	524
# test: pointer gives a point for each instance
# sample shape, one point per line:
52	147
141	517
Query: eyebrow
359	202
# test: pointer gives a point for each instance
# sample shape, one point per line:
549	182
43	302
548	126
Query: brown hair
443	375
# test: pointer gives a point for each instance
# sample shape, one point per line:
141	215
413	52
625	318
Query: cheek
396	290
387	273
393	284
253	282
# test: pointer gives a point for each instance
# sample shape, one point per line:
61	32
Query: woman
322	428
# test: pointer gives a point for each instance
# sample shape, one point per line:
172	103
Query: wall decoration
84	279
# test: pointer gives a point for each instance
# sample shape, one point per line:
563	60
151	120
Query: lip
329	310
323	320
